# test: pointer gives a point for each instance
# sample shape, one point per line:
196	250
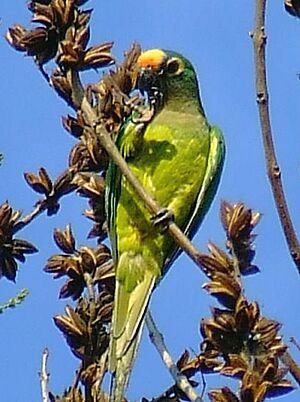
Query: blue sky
214	35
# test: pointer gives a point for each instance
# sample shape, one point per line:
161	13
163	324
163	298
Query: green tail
122	370
132	299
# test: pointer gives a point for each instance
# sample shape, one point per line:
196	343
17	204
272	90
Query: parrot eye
174	67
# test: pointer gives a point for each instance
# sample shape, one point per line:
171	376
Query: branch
90	286
181	380
29	217
44	376
273	169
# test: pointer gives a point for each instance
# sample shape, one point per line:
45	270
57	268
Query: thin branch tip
182	382
259	38
44	376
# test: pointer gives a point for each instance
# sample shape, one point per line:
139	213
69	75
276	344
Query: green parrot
178	157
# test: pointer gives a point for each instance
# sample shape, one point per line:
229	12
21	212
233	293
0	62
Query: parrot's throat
183	98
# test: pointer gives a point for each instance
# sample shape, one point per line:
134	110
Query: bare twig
90	286
181	380
273	169
44	376
274	173
29	217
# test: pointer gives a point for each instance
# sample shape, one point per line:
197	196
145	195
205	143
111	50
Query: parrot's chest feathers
170	164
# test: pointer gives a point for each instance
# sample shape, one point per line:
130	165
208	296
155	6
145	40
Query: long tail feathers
128	320
123	370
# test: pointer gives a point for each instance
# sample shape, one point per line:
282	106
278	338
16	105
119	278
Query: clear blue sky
214	36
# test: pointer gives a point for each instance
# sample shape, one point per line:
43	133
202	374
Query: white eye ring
173	66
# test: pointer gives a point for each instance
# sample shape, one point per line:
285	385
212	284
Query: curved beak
148	81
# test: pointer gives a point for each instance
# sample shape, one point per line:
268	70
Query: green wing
208	189
113	189
211	180
128	131
112	194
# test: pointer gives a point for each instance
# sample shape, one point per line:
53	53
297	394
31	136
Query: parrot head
167	77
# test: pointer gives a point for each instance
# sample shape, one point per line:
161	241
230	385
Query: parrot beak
152	64
148	80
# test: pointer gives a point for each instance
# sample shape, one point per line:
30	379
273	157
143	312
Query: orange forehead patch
153	59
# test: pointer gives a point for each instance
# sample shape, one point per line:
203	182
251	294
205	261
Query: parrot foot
145	117
163	218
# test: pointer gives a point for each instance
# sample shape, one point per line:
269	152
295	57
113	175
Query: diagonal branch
182	382
273	169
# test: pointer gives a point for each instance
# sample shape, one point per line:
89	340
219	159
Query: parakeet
178	158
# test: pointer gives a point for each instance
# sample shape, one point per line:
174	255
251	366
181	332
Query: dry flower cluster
237	340
62	37
11	249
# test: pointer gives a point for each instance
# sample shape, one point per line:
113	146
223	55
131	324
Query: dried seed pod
5	215
21	247
87	259
71	323
70	55
8	267
73	126
72	288
14	36
88	155
62	87
42	13
72	394
89	185
65	239
83	16
226	289
11	248
64	183
40	183
238	222
223	395
61	265
67	265
216	263
82	37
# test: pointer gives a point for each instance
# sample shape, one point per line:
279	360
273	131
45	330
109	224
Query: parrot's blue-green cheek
178	158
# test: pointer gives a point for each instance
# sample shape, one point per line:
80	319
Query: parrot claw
163	218
145	117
